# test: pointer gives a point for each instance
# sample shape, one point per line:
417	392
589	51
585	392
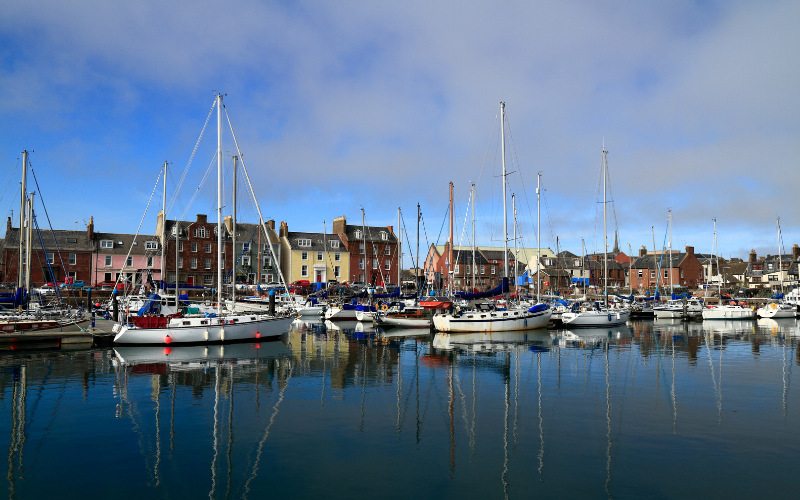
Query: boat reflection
489	342
174	356
399	333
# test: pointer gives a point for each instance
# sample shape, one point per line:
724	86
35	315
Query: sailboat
486	317
599	315
207	328
729	311
777	308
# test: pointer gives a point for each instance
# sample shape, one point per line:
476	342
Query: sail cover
500	290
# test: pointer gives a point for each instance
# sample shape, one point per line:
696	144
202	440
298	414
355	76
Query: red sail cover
149	322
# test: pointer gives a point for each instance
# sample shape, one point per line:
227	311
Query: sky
349	104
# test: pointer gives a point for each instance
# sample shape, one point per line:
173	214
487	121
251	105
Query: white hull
311	311
596	318
492	321
132	355
778	312
403	322
338	314
365	316
728	312
205	330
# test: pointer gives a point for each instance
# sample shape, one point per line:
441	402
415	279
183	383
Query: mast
28	246
219	204
451	266
605	229
164	226
514	212
780	257
20	275
583	264
538	238
716	246
399	248
474	244
364	239
671	289
235	254
505	216
325	250
416	264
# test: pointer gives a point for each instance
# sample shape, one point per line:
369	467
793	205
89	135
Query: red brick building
197	252
372	249
649	270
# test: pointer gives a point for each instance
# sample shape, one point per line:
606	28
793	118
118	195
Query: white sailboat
211	328
599	315
777	308
728	311
487	317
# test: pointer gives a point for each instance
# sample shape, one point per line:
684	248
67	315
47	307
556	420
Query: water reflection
463	413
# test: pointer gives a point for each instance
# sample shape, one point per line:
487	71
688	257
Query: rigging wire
10	177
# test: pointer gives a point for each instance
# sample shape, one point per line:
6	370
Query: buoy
222	334
258	345
167	350
206	335
258	335
167	339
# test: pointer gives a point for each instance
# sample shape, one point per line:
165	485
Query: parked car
78	284
46	289
301	283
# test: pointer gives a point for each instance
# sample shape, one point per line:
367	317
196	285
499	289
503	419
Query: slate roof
654	261
246	229
317	244
465	257
67	240
126	240
497	255
373	233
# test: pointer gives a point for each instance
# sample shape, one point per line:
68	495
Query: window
246	247
201	232
653	273
194	246
72	259
361	277
72	274
304	256
304	242
666	272
107	277
337	271
361	264
493	269
640	273
455	270
384	235
208	279
358	235
360	248
467	269
180	262
180	246
388	264
483	269
108	261
304	271
386	250
267	261
319	256
106	244
264	278
129	262
151	245
337	257
374	263
208	247
208	263
50	258
334	244
193	263
174	229
72	240
769	266
773	277
681	273
245	260
149	262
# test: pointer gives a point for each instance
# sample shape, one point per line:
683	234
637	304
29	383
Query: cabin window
304	271
203	322
252	318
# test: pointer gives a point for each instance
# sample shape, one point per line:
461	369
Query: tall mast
399	248
219	204
780	257
164	225
177	256
538	238
514	212
451	267
505	216
605	228
28	246
325	250
670	253
364	239
716	252
653	231
23	194
583	264
474	244
235	254
416	264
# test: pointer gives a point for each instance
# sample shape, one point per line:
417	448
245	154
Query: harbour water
646	410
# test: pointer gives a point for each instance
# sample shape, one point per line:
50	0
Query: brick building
197	252
372	251
684	269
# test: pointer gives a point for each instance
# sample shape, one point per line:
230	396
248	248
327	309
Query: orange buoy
167	350
167	339
258	346
258	335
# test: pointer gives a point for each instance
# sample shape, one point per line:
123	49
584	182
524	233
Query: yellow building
314	257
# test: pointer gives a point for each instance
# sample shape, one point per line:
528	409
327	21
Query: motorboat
595	316
730	311
776	309
680	308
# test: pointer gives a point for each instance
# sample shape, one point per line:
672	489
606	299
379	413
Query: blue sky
340	105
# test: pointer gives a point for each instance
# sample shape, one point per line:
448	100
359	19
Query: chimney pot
753	256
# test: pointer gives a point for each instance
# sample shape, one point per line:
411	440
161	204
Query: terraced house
373	252
315	257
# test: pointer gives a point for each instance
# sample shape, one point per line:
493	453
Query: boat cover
499	290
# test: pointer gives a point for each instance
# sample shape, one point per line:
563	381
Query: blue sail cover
396	293
778	296
165	285
152	305
500	290
630	298
539	308
15	300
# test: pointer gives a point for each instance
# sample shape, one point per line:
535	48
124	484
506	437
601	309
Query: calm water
656	410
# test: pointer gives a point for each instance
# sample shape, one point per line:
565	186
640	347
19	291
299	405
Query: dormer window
384	235
72	240
304	242
174	229
151	245
334	243
358	234
106	244
201	232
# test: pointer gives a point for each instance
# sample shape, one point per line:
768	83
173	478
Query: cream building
314	257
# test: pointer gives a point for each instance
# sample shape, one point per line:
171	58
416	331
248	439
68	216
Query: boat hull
492	321
729	313
339	314
780	312
218	331
588	319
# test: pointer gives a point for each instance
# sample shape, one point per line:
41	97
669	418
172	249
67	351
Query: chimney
642	251
761	259
752	256
339	225
795	252
202	218
89	228
689	251
390	228
8	226
284	231
271	224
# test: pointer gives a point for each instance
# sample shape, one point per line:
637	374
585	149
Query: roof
656	261
524	254
65	239
497	254
122	243
317	243
373	233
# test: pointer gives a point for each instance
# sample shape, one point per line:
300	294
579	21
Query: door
319	276
190	281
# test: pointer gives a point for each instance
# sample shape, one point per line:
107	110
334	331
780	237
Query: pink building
136	260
